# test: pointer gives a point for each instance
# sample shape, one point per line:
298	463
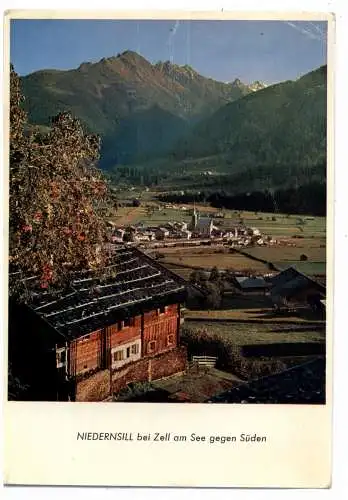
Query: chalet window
128	352
135	348
118	355
170	339
84	367
161	310
151	346
61	357
129	322
119	326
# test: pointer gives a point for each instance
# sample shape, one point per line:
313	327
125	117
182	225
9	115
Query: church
201	226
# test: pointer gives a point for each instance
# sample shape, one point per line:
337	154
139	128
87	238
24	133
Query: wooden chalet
293	288
105	330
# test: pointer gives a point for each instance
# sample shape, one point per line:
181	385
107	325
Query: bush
229	356
197	277
214	297
214	275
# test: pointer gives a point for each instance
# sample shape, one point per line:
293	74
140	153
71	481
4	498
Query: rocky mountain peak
257	85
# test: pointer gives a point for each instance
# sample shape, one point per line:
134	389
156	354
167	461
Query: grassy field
184	272
283	257
280	225
207	258
254	308
125	216
163	216
314	251
259	316
248	333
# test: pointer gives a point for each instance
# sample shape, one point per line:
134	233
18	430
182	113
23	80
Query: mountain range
147	111
119	96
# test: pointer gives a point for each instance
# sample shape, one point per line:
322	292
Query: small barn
162	233
104	330
253	284
293	288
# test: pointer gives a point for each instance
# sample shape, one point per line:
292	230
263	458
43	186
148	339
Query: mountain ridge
146	110
116	90
178	89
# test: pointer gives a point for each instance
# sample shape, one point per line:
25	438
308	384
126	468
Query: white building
162	233
185	233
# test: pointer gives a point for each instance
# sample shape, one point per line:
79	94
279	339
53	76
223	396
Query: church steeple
194	218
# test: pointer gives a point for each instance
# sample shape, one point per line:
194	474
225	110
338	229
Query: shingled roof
132	282
246	283
301	384
290	281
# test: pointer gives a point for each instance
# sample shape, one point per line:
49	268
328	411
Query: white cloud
310	30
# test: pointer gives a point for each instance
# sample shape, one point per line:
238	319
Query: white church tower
194	219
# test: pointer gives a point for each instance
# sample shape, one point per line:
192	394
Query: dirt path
127	218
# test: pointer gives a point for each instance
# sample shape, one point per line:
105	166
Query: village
199	228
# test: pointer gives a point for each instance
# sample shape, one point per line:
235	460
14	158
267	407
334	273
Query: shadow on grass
305	314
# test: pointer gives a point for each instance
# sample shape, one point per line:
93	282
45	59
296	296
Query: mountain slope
100	93
280	127
142	136
108	92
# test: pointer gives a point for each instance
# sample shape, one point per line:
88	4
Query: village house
186	234
118	235
252	285
105	330
181	225
161	233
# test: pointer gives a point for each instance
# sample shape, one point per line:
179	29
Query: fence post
149	370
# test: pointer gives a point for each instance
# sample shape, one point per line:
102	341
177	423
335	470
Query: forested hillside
277	133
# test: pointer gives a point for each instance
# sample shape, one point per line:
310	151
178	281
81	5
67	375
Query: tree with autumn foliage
57	196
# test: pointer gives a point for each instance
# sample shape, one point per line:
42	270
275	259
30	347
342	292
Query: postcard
170	249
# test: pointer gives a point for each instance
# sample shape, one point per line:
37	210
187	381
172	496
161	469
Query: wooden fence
209	361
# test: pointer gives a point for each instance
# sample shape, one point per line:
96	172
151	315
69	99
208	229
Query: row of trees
212	285
57	196
307	199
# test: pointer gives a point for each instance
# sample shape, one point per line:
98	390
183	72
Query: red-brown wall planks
160	334
160	330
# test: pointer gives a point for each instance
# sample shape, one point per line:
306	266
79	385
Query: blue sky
270	51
